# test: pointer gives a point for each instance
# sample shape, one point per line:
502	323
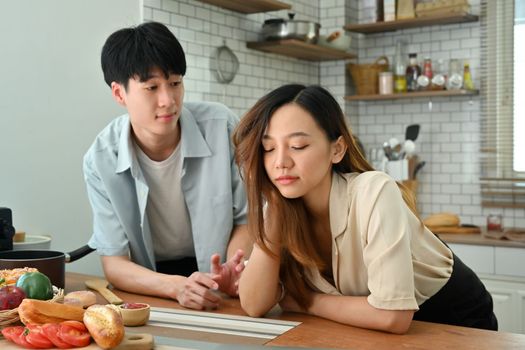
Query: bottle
424	80
439	78
455	78
412	73
400	83
468	84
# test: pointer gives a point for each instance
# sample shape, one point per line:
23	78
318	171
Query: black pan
49	262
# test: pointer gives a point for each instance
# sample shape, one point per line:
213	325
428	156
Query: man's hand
197	292
227	275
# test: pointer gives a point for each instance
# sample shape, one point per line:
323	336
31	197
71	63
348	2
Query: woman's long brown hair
288	217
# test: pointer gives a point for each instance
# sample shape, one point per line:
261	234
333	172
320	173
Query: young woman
333	237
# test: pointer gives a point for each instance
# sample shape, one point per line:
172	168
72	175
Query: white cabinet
509	302
502	271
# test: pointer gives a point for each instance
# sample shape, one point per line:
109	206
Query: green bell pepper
36	285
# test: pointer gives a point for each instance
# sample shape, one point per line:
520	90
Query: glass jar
455	75
424	80
439	79
386	83
494	222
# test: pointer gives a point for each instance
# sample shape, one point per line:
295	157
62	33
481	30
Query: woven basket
365	76
8	317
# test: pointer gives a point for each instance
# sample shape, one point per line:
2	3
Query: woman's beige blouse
380	249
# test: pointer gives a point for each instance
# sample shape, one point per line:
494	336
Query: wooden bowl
134	314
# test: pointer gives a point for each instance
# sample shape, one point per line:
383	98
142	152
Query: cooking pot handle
78	253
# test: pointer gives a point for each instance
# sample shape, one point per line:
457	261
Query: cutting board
455	229
131	341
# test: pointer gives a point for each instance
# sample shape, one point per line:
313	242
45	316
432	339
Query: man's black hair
135	51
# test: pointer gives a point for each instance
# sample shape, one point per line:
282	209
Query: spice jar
494	222
386	83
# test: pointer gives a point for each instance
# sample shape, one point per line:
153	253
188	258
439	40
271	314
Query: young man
162	181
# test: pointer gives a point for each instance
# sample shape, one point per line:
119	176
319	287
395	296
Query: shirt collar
192	141
339	204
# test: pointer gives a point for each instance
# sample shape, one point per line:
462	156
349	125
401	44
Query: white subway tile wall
449	136
202	28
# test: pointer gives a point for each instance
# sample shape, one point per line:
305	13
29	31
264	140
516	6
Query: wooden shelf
417	94
379	27
300	49
250	6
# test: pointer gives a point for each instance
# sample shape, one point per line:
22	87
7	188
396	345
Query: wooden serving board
131	341
455	229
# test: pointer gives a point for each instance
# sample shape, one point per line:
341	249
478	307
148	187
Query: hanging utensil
225	64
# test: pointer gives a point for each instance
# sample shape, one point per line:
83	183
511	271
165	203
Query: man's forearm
128	276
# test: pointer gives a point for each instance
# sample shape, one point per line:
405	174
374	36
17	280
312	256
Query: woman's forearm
356	311
259	288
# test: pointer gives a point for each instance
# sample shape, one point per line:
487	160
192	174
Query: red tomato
50	330
35	337
73	336
75	324
10	333
22	340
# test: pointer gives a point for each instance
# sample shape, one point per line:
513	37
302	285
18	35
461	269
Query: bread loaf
104	323
81	298
442	219
32	311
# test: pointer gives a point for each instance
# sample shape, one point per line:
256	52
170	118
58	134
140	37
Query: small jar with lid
439	79
455	75
386	83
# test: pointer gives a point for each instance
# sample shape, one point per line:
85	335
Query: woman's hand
227	275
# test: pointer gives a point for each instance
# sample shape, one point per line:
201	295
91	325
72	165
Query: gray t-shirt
212	187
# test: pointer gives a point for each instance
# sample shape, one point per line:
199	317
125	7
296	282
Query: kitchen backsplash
449	136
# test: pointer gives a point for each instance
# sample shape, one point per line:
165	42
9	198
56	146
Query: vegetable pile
21	284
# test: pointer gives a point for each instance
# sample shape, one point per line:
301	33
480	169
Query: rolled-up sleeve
387	252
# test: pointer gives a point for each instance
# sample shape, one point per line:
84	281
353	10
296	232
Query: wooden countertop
479	239
322	333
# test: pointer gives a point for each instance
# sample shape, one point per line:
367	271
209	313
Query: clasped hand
198	290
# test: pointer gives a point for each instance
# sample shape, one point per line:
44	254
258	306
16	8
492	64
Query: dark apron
462	301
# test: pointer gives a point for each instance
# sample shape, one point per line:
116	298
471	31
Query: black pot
50	263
